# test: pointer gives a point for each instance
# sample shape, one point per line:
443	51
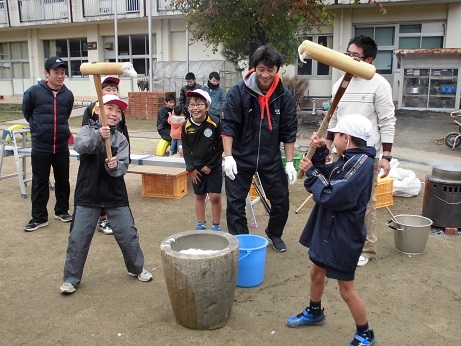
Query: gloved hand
230	167
291	172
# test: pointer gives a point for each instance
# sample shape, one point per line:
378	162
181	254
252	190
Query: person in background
202	150
259	114
217	94
100	183
109	87
176	119
373	99
335	231
47	107
190	85
163	127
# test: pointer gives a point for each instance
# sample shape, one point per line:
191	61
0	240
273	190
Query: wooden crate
383	192
164	182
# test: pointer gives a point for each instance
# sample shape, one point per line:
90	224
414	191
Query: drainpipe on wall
116	31
149	16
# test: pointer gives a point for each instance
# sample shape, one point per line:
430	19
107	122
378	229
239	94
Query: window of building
14	60
313	68
401	36
134	49
72	51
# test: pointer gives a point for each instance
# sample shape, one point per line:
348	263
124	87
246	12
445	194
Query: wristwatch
387	157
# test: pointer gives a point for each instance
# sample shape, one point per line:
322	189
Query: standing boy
190	85
259	114
217	94
335	232
163	127
109	87
46	107
176	119
202	148
100	183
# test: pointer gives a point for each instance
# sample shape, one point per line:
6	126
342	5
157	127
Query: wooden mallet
106	68
352	67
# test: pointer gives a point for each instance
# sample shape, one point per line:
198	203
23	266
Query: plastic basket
383	192
296	160
162	185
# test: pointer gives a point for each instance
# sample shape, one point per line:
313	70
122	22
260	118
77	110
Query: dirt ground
411	300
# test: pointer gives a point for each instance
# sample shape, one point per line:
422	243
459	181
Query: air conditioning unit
109	45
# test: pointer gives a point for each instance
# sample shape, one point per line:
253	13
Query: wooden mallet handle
102	112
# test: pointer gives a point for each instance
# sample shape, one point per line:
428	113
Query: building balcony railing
164	5
106	7
3	13
35	10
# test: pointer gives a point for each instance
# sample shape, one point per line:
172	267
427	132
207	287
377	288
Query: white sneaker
145	276
105	227
362	261
67	288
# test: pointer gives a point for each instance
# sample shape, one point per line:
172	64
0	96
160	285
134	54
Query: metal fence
103	7
33	10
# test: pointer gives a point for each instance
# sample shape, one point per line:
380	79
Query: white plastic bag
405	182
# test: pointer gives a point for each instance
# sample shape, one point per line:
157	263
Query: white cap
354	125
112	99
199	93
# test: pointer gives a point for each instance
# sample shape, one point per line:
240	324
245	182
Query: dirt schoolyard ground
411	300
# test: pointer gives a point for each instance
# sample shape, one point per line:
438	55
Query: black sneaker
33	226
64	217
278	244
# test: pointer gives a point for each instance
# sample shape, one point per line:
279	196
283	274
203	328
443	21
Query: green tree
241	26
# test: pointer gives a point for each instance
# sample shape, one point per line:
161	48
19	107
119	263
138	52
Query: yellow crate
162	185
253	193
383	192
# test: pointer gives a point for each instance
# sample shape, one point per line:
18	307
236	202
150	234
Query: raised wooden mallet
96	69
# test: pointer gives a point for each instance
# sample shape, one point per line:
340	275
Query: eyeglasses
355	55
198	105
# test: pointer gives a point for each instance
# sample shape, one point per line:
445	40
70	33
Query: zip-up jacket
218	97
48	116
335	231
97	185
202	144
254	143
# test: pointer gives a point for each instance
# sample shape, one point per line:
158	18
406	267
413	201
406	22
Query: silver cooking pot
415	90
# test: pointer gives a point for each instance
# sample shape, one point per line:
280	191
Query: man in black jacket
259	114
46	107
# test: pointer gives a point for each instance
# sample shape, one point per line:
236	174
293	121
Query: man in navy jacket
47	107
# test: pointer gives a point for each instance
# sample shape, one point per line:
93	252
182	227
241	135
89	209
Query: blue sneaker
201	226
305	318
216	227
363	339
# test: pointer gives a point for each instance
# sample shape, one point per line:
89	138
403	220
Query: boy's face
190	82
340	142
110	89
170	104
113	114
266	75
214	81
198	108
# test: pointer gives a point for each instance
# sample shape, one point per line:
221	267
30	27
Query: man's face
357	52
265	76
56	77
190	82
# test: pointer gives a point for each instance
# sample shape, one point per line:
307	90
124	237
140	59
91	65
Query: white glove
291	172
230	167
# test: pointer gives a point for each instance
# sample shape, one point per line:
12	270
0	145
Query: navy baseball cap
54	62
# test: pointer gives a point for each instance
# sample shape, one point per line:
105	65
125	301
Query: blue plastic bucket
252	260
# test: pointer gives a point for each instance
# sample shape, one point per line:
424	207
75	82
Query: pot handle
396	226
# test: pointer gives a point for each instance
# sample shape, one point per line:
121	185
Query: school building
118	30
